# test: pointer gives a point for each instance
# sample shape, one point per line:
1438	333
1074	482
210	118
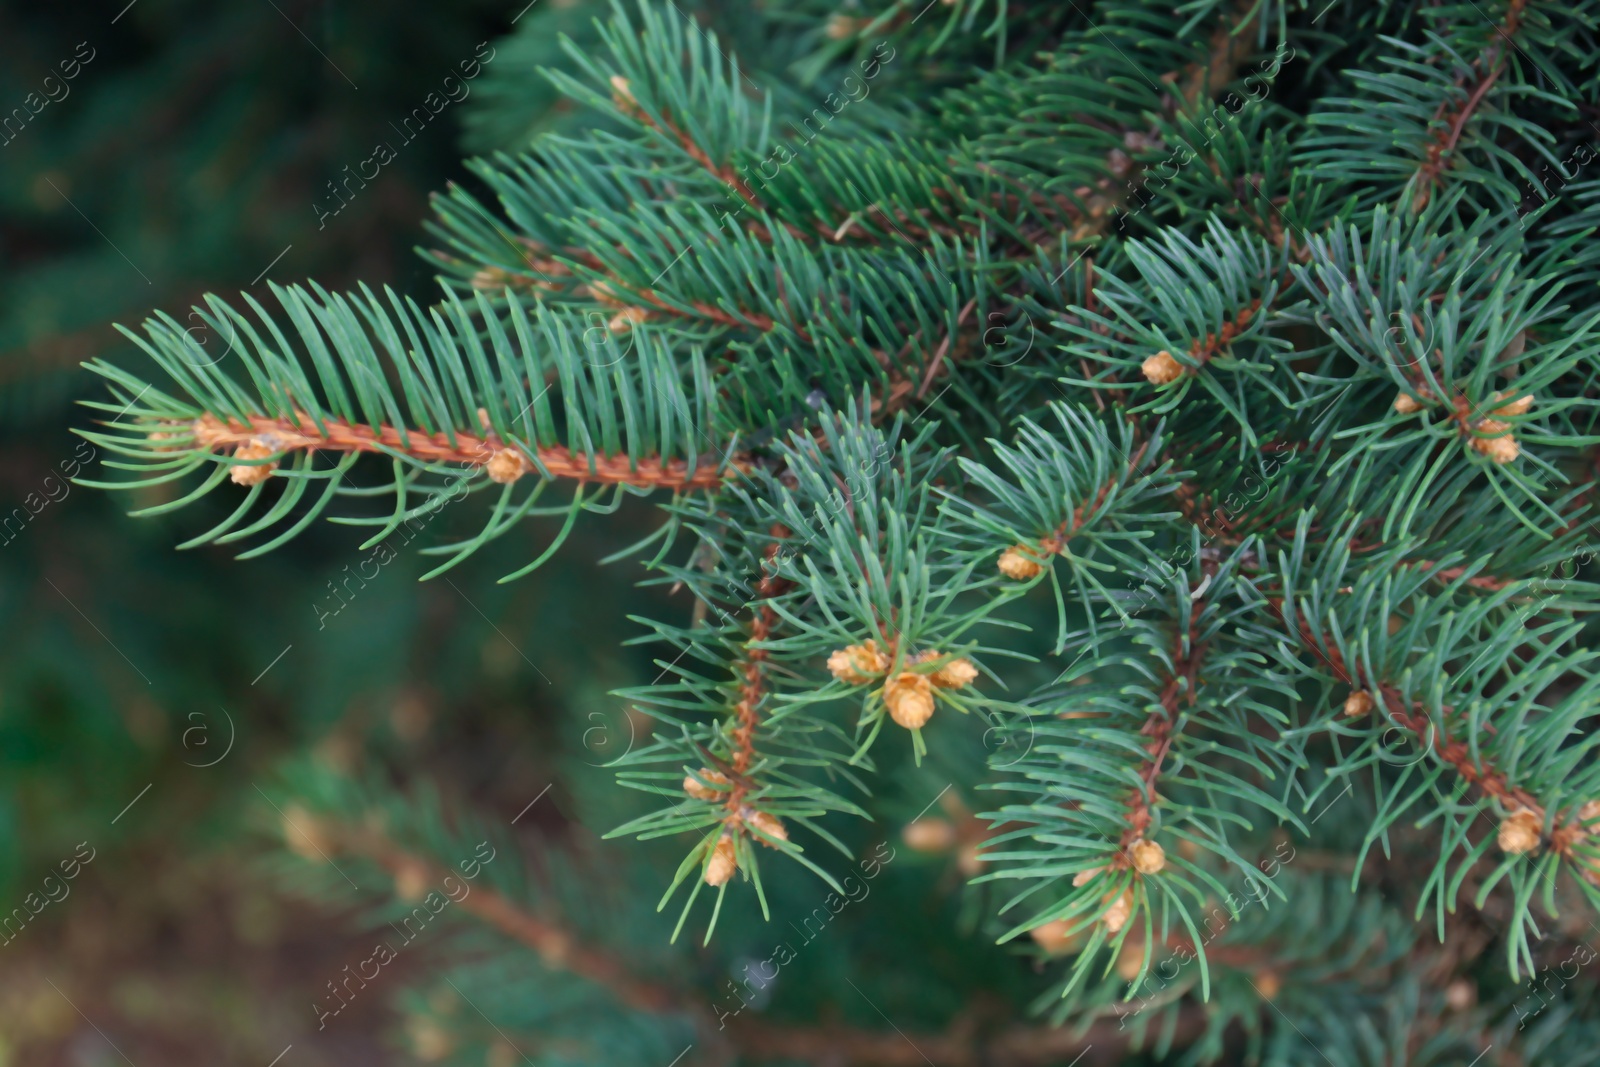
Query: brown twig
963	1044
557	948
1202	351
1080	514
752	687
300	433
1161	727
1441	152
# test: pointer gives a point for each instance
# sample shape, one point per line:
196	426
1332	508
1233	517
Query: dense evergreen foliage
1113	486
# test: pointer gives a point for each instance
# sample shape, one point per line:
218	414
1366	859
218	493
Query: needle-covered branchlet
263	436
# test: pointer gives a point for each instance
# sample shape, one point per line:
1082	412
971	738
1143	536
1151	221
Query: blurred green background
146	695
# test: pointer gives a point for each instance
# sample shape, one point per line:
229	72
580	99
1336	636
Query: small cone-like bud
1148	857
1161	368
723	862
1268	985
1501	449
1121	910
1460	995
1406	404
858	664
704	791
207	432
429	1041
909	698
1519	832
622	95
506	465
1018	564
1082	877
305	835
491	278
624	320
768	824
1358	703
411	880
842	26
1130	960
1055	937
1519	406
971	860
929	835
255	448
955	674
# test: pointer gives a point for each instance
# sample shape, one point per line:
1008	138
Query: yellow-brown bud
1120	911
701	789
305	835
858	664
411	879
955	674
929	835
1161	368
1147	856
429	1041
1130	961
624	320
1500	449
1519	832
1519	406
506	465
1358	703
255	448
491	278
840	26
909	698
724	861
1269	985
1460	994
622	95
768	824
1019	564
1083	876
1056	937
1406	404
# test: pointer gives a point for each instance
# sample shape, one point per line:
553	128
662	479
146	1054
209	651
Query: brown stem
1161	728
300	433
752	1037
1203	351
752	688
555	946
1441	152
1080	514
944	347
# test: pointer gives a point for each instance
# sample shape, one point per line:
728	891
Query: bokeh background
148	695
